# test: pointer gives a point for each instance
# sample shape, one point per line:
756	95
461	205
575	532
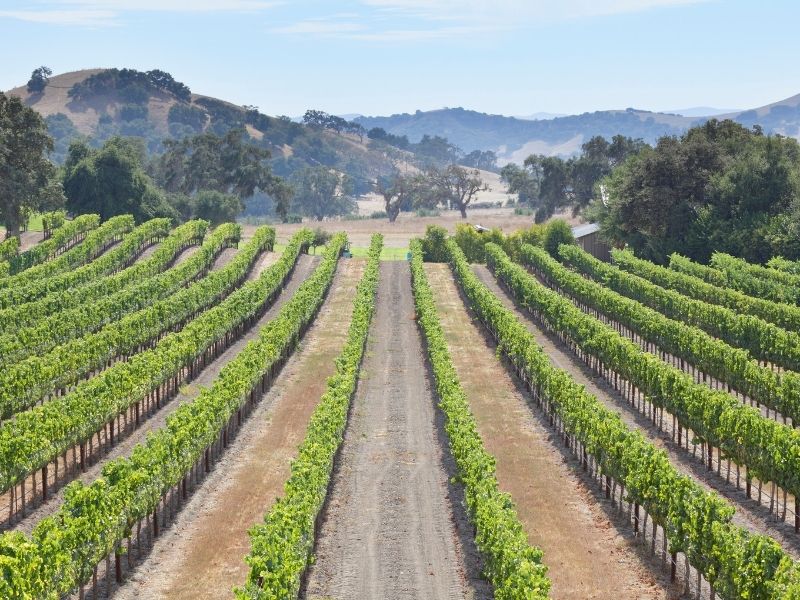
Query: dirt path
266	260
147	252
202	553
28	239
184	256
588	555
388	530
188	392
749	513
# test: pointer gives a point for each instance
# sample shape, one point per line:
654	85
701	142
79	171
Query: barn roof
580	231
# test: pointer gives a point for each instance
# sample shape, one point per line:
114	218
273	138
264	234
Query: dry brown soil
389	527
586	555
28	239
750	514
202	553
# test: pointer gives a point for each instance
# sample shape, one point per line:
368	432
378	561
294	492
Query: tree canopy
227	164
39	79
320	192
27	178
719	187
550	183
455	186
398	191
112	181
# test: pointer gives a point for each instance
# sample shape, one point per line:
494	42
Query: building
588	237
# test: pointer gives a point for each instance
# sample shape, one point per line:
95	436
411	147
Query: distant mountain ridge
701	111
514	138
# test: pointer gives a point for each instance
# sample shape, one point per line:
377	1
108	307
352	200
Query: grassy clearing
387	253
34	224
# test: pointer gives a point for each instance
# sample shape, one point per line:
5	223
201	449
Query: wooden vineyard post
636	518
44	483
796	515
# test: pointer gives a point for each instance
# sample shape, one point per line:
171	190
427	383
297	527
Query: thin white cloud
105	13
408	35
408	20
171	5
320	27
524	10
85	18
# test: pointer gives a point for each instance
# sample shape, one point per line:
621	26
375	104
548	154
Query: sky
379	57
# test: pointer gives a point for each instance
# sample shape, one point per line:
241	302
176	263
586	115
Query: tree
281	193
554	187
354	128
480	159
320	192
719	187
112	181
27	178
316	119
227	164
522	181
39	80
381	135
397	191
597	159
456	186
436	150
216	207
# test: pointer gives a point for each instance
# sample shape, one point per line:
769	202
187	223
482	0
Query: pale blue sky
386	56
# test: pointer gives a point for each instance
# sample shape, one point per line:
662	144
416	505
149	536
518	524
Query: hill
100	103
514	138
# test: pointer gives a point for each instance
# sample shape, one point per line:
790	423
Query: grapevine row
97	312
782	264
65	549
25	383
716	358
14	289
36	437
114	260
695	522
282	545
31	313
513	567
786	316
51	221
9	248
738	279
784	285
769	450
60	240
726	262
763	340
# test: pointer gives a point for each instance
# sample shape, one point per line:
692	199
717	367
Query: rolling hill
513	138
100	103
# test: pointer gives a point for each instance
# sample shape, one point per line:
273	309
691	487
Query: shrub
433	244
558	232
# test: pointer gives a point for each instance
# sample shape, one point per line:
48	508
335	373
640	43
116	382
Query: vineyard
189	411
